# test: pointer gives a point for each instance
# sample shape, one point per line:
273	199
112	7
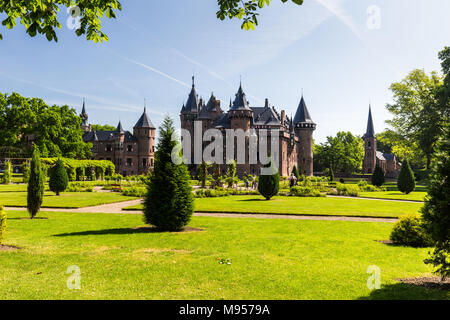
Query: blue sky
324	48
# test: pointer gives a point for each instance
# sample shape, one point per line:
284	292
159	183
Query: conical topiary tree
35	191
7	174
58	178
295	172
269	184
169	202
378	176
405	181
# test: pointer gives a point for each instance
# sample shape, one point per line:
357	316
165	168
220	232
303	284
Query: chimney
267	103
283	116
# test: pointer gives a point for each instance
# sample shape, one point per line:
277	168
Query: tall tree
169	202
58	178
436	211
418	116
377	176
406	182
35	191
203	172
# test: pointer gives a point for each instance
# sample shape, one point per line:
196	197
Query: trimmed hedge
79	169
410	231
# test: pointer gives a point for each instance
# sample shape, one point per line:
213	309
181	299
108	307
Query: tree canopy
41	17
56	130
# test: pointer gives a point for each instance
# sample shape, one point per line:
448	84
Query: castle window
129	162
130	148
108	148
368	143
151	161
144	162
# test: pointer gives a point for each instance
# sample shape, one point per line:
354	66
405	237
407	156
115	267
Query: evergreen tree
217	175
35	190
58	178
169	202
269	184
7	174
203	173
331	174
436	211
405	181
26	172
295	171
231	172
378	176
2	224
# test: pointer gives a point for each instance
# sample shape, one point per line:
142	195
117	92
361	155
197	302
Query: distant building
387	161
131	153
295	135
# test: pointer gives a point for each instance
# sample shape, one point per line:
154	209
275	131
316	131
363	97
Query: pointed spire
192	102
370	132
144	121
119	128
193	81
302	114
240	102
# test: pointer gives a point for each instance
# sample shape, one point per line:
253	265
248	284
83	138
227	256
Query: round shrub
409	231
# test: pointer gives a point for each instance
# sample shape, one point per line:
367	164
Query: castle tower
119	138
241	117
304	127
188	115
370	146
84	119
145	133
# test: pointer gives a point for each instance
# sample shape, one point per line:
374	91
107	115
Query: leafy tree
35	190
343	153
406	181
418	116
436	211
58	178
203	172
217	175
99	127
169	202
246	10
269	184
2	224
26	172
231	172
7	174
295	172
378	176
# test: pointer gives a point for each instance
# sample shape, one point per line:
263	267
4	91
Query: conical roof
370	132
302	114
144	121
240	101
119	128
192	102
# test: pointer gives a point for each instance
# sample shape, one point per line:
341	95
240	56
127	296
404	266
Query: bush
295	172
406	182
269	184
169	202
26	172
8	173
2	224
365	187
305	192
348	190
409	231
378	176
134	191
331	174
341	180
35	190
58	178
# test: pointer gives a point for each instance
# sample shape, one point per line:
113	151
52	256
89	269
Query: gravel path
118	206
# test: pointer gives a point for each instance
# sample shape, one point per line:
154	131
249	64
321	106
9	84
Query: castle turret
119	138
370	146
304	127
145	132
84	119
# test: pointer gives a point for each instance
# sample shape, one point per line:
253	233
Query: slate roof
106	136
240	101
144	121
211	105
370	132
192	102
222	121
265	116
385	156
119	128
204	113
302	114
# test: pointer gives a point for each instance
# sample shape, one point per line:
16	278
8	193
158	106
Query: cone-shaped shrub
58	178
2	224
295	171
35	190
7	174
378	176
405	181
269	184
169	202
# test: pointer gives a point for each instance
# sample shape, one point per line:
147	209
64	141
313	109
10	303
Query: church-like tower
145	133
304	127
84	119
370	146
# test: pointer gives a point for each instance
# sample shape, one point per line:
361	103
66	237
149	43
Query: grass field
394	195
300	205
65	200
270	259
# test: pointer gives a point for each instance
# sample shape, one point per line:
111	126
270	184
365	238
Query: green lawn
303	205
394	195
271	259
65	200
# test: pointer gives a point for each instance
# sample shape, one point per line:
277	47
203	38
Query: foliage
8	173
406	181
343	153
203	172
212	193
295	172
99	127
231	172
365	187
308	191
76	168
269	184
409	231
418	115
58	178
26	172
347	190
377	178
168	204
35	191
331	174
55	130
134	191
436	211
247	10
2	224
217	179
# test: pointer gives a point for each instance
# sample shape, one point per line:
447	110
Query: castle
131	153
387	161
295	135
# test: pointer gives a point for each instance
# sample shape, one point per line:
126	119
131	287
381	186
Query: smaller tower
188	115
145	133
119	138
84	119
304	127
370	146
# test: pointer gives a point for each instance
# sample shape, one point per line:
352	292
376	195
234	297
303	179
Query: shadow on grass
403	291
124	231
